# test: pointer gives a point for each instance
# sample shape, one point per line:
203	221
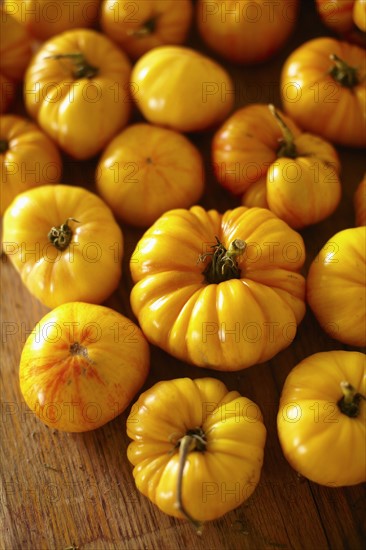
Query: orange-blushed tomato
141	183
321	420
139	26
323	89
221	291
77	88
191	438
336	286
244	31
65	244
182	89
28	158
82	365
46	18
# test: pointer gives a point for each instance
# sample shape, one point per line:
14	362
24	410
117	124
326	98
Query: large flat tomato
82	365
245	31
323	89
322	418
65	244
294	174
182	89
15	54
336	286
225	305
46	18
28	158
140	184
77	87
140	26
192	441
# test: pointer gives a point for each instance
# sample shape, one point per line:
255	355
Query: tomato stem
349	404
82	68
194	440
60	236
343	73
287	146
223	265
4	146
145	29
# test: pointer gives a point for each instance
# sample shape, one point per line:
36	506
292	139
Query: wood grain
61	490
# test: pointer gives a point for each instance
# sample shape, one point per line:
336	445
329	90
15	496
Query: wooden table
62	490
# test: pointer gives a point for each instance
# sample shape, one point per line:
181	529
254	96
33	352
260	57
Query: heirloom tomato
65	244
193	439
336	286
77	88
180	88
46	18
360	202
15	54
139	26
359	14
294	174
322	418
141	183
221	291
28	158
345	17
245	31
323	89
82	365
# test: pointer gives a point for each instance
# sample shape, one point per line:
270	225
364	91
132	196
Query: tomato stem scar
82	68
60	236
223	265
349	404
343	73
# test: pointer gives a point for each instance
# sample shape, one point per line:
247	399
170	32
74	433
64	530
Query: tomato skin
337	14
226	326
88	269
82	365
209	89
31	158
316	101
359	200
310	422
140	185
141	26
336	286
246	32
233	457
82	114
45	18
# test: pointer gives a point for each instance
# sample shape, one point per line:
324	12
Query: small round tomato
360	202
77	88
82	365
336	290
192	436
180	88
28	158
322	418
245	31
140	184
46	18
140	26
323	90
65	244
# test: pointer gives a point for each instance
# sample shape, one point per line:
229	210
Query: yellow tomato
182	89
323	89
359	14
28	158
360	202
224	305
77	88
65	244
205	459
246	31
139	26
322	418
140	184
336	286
82	365
46	18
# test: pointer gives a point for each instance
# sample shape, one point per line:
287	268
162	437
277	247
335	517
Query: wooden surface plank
60	490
